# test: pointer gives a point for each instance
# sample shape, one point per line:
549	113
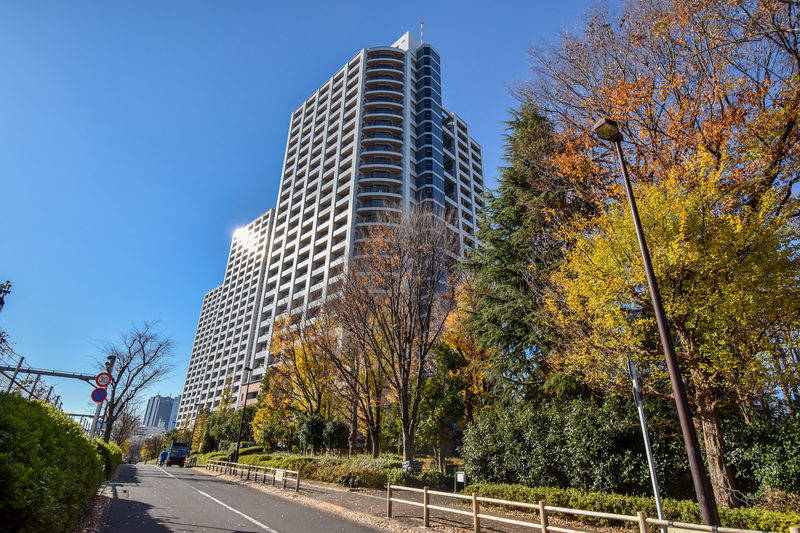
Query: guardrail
640	521
241	469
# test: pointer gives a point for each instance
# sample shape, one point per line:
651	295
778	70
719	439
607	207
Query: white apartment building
374	138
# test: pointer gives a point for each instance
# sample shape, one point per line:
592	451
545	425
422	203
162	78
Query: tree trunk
408	444
719	470
375	437
351	443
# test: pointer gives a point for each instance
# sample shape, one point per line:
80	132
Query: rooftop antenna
420	32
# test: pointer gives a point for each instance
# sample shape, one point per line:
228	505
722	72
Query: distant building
161	411
372	141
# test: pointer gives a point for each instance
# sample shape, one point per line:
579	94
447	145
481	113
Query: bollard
642	516
543	516
476	522
425	510
389	500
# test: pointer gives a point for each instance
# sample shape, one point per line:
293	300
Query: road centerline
223	504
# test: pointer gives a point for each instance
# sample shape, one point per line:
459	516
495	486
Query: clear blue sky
136	136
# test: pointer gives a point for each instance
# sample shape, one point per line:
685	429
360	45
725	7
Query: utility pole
109	368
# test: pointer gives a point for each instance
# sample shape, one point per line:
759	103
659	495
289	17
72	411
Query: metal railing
246	471
640	522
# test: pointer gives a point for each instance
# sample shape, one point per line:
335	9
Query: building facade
373	139
161	412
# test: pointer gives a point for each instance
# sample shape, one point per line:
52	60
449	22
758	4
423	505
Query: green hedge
49	471
677	510
348	471
110	454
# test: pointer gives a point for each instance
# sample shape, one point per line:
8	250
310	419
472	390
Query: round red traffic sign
99	395
103	379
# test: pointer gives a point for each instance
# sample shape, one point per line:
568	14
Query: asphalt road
147	498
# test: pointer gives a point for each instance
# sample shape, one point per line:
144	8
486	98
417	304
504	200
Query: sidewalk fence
639	523
245	471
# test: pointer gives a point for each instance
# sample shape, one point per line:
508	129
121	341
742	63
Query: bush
765	454
49	471
110	454
677	510
336	435
312	432
579	444
429	478
209	443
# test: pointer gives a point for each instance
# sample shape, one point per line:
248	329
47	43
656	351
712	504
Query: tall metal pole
702	486
637	398
14	377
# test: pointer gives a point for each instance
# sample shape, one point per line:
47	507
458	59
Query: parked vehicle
177	453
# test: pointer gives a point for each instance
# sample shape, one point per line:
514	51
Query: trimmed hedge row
49	471
111	455
677	510
352	471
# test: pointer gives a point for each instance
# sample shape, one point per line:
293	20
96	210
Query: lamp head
607	129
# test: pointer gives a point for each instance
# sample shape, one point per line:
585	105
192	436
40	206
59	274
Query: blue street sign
99	395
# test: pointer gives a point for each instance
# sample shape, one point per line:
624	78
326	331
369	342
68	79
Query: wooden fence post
425	511
642	516
297	482
284	480
543	516
389	500
476	522
273	476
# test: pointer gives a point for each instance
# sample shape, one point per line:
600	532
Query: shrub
677	510
312	432
336	434
429	478
577	443
49	471
110	454
209	443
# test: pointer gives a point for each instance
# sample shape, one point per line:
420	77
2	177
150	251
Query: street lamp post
608	130
241	423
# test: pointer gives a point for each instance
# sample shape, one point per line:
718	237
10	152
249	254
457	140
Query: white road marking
225	505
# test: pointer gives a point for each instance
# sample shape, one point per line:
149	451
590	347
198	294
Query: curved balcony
384	68
384	57
379	191
392	128
384	91
382	137
377	204
383	79
383	112
381	150
383	101
379	178
381	166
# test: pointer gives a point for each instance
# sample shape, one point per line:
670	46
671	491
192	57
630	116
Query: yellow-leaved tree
730	279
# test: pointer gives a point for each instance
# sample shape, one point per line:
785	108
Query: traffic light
110	362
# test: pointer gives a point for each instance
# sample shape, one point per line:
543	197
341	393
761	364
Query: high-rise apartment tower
373	139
